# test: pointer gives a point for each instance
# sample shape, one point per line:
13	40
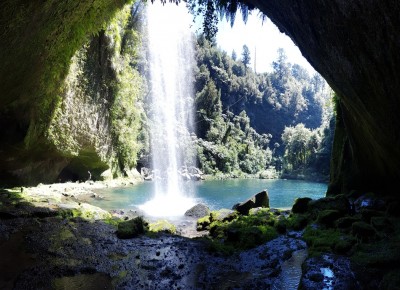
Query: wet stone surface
328	272
56	251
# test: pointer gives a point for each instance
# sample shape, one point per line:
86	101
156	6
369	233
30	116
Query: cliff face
355	46
67	109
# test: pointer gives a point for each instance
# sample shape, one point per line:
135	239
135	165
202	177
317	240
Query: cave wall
67	69
355	46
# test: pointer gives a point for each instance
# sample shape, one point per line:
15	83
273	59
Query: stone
223	215
162	226
132	173
131	228
368	214
345	244
363	231
382	224
260	199
369	201
340	203
301	205
346	222
198	211
106	175
329	217
314	276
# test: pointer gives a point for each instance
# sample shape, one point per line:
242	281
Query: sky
262	37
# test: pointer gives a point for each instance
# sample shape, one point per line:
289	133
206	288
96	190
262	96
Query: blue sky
262	37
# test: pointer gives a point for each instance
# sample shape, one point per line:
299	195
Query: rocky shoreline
50	249
50	238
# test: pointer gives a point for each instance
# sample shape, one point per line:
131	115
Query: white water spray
171	57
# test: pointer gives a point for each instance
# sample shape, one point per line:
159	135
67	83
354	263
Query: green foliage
300	143
236	110
246	56
209	9
102	78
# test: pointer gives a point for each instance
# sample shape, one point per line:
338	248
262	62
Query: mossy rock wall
62	85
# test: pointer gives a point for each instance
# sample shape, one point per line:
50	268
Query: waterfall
171	59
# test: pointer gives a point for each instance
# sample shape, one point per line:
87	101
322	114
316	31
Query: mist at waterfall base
171	61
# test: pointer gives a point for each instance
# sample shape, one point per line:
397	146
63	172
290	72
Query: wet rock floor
56	253
42	249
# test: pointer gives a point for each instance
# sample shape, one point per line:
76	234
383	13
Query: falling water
171	58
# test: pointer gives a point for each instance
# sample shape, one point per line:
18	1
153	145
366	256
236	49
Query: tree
210	23
245	56
281	66
234	56
300	144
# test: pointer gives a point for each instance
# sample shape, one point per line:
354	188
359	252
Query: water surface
216	193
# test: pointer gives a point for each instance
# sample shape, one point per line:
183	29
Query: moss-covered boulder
339	203
162	226
329	217
346	222
363	231
222	215
203	223
132	228
382	224
301	205
298	222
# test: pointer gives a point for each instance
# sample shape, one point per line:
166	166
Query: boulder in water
261	199
198	211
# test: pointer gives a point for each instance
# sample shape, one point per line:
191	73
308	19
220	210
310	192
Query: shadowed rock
261	199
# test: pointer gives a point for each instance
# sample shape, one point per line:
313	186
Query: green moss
321	240
328	217
281	224
363	231
132	228
243	232
112	221
219	247
297	221
45	63
203	223
162	226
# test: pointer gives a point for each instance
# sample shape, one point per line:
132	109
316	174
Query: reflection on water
328	278
216	193
289	278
